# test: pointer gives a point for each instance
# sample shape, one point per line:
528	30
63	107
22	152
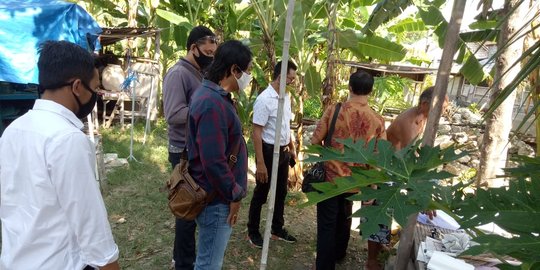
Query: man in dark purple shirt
214	131
178	85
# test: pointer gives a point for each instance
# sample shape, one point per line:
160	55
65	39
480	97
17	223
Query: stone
456	129
511	164
456	118
444	129
469	117
475	163
525	150
461	137
456	168
111	160
443	141
443	121
465	159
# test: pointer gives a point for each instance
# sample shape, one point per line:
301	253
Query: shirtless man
405	129
409	125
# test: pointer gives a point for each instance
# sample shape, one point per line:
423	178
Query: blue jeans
214	234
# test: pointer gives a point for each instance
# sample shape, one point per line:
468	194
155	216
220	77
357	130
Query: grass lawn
144	228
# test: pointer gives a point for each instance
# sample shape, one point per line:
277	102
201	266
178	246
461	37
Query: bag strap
233	158
328	138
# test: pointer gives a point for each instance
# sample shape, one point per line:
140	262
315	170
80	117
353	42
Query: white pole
275	162
133	97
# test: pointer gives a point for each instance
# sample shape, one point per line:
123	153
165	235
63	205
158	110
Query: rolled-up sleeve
71	164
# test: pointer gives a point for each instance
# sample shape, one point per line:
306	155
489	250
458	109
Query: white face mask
244	81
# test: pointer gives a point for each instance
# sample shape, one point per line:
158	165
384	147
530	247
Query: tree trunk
493	153
406	249
441	84
534	78
329	82
270	49
295	174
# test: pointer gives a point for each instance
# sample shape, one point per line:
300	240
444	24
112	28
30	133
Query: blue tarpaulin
25	24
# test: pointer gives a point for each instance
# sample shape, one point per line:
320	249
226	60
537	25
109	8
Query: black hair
361	83
60	61
228	54
426	95
277	69
196	34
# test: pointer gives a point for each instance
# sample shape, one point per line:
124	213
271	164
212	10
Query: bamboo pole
275	162
439	93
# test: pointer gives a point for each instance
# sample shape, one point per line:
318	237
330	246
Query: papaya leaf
412	171
524	248
344	184
514	208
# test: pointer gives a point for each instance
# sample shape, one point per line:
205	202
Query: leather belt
284	148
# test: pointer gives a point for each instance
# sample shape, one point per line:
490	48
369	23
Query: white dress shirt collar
52	106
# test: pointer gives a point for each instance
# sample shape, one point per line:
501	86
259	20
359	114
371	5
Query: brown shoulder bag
186	198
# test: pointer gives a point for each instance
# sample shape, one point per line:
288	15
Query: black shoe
256	240
284	236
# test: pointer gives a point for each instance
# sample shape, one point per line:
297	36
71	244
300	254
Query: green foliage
488	24
385	11
532	61
379	48
412	170
244	109
472	70
313	81
408	25
173	18
514	208
474	108
388	92
313	107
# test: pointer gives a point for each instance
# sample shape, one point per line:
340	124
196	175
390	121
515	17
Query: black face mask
203	60
86	109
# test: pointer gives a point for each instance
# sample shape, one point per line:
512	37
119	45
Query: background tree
499	122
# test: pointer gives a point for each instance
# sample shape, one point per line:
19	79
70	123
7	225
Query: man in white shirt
264	131
52	212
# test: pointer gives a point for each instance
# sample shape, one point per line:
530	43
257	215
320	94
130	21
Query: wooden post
441	84
450	46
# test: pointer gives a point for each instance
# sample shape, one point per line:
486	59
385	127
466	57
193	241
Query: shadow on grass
143	226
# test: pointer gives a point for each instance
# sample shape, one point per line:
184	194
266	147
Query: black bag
317	172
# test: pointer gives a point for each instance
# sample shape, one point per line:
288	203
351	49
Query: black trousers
260	193
184	237
333	231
